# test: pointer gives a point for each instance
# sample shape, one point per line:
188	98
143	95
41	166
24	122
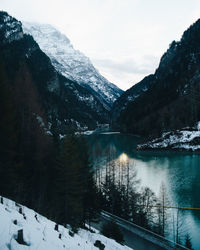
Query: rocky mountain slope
32	77
72	63
171	97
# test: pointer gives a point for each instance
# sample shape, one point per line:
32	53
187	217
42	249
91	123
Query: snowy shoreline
187	139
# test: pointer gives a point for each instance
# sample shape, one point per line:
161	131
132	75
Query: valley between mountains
74	95
52	99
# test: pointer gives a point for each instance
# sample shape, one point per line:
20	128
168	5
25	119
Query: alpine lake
179	171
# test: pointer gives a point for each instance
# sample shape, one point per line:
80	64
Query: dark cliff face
129	96
61	99
172	98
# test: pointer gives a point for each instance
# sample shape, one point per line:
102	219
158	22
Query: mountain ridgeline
38	168
71	63
51	96
168	99
63	90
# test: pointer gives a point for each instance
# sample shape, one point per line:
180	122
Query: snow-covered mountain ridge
72	63
40	233
72	106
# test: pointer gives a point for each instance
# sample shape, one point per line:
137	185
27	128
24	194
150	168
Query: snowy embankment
185	139
39	232
88	132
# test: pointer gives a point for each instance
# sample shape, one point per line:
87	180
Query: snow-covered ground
110	133
87	132
185	139
39	232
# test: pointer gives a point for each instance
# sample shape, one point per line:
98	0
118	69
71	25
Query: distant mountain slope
130	95
172	100
28	70
72	63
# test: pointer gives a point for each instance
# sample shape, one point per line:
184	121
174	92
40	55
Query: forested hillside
38	169
27	69
171	100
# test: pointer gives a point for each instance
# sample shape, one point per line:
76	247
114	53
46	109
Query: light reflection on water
179	171
123	158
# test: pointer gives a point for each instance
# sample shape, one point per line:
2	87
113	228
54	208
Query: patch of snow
110	133
78	125
48	132
89	98
40	121
62	136
198	126
88	132
42	124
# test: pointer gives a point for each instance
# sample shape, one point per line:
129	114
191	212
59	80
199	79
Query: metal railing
143	233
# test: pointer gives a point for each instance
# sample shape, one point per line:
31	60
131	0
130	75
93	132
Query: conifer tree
90	198
188	242
76	190
8	136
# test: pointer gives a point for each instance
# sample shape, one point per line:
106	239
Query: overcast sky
124	38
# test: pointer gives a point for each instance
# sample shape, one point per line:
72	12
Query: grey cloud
129	66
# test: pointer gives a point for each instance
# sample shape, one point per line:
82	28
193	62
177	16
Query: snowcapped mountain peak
71	62
45	29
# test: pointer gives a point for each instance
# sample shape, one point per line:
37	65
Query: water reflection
179	171
123	158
